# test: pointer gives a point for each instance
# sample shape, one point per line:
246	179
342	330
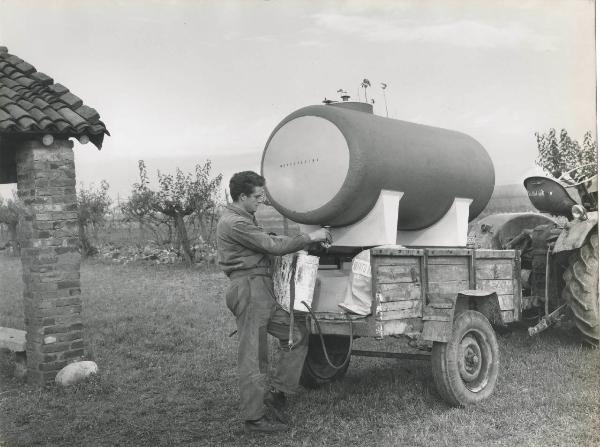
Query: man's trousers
252	300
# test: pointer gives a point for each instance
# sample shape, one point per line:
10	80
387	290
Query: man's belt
256	271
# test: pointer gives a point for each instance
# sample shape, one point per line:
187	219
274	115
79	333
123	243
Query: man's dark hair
244	183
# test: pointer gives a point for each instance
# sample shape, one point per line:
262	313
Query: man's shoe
264	425
276	402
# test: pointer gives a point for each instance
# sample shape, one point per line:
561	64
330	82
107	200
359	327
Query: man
245	253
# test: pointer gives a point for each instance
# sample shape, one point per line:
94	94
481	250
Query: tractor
559	251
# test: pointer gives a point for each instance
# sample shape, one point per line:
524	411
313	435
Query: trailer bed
412	286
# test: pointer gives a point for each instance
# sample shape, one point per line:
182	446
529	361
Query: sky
181	82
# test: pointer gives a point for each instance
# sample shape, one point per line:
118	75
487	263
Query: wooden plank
494	254
500	286
435	314
409	327
400	292
413	312
396	260
506	302
441	300
447	260
397	305
486	269
12	339
396	273
448	252
396	251
441	273
448	286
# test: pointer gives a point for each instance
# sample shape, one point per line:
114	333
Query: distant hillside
508	199
505	199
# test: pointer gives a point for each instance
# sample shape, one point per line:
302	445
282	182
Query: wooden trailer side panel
406	282
500	271
398	297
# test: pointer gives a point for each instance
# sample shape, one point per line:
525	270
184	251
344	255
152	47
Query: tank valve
326	244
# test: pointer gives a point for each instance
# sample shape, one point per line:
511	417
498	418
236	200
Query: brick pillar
50	257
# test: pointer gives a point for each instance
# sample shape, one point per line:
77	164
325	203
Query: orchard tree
92	206
179	196
560	154
139	207
10	212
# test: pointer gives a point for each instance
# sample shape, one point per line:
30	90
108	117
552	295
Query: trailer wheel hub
469	359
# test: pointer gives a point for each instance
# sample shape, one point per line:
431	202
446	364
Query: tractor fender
575	233
439	314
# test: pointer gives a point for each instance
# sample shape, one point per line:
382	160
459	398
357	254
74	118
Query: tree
559	155
139	208
9	215
179	196
92	206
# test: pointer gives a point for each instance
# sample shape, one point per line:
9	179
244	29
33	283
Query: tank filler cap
354	105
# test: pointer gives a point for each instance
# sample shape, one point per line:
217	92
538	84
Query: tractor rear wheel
465	369
581	289
317	371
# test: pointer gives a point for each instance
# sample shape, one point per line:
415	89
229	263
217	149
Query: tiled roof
30	102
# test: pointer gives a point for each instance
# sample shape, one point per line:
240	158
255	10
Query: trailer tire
465	369
581	289
316	370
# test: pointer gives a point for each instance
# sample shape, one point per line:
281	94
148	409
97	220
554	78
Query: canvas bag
358	296
305	277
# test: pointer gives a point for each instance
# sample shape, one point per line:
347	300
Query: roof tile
87	112
7	125
26	105
12	59
15	111
8	82
31	102
59	89
27	82
27	122
39	102
71	100
73	119
42	77
5	91
4	101
4	115
26	68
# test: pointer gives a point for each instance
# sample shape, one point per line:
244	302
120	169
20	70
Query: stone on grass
76	372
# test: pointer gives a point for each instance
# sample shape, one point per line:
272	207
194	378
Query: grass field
168	377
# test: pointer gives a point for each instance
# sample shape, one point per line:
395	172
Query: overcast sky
179	82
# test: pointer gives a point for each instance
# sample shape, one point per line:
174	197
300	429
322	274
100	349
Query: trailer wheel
317	371
465	369
581	290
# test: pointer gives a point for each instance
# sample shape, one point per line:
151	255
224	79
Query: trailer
443	301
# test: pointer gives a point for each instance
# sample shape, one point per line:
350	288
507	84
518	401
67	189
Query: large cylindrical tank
326	165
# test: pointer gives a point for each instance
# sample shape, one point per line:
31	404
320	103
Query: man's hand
321	235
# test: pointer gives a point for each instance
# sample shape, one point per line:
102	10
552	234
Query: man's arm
256	239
